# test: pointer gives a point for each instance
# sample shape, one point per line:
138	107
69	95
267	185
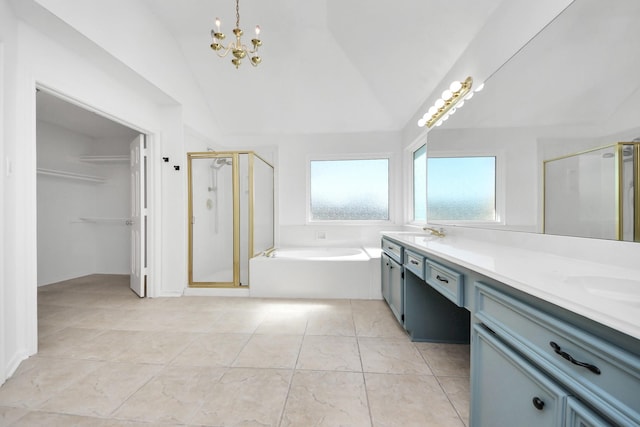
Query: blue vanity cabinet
393	250
425	312
414	262
448	282
508	390
578	415
385	268
392	278
600	380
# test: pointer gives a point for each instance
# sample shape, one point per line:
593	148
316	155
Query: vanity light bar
447	104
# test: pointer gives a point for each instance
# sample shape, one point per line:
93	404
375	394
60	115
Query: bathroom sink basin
613	288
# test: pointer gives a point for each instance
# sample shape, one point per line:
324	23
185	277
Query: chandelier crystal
237	49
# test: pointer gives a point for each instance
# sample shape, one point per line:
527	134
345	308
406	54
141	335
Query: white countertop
607	294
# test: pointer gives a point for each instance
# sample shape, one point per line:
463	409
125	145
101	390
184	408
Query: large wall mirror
573	90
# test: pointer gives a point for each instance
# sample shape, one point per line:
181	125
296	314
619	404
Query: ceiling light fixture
238	50
451	100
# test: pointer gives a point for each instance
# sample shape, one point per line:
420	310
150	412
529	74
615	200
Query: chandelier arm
226	50
245	48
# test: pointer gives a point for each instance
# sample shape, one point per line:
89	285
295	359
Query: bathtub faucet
433	231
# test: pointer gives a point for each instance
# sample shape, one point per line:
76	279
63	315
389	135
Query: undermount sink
613	288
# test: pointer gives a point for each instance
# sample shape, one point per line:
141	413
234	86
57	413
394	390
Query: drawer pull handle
390	248
414	262
538	403
442	279
567	356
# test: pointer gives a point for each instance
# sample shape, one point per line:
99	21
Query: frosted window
461	188
349	190
420	184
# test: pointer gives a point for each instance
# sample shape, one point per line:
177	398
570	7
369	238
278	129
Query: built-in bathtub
316	272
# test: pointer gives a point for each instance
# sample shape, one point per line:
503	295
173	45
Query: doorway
91	187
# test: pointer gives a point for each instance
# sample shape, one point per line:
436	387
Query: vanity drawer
414	262
606	376
448	282
392	249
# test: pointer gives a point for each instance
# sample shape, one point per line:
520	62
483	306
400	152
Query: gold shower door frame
235	171
619	146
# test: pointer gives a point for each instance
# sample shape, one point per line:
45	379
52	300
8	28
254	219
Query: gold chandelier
238	50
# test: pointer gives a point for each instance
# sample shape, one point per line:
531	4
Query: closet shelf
105	159
96	220
71	175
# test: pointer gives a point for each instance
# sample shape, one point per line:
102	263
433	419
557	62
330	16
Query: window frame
500	185
412	180
345	157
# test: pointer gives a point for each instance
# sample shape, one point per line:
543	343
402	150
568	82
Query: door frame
152	183
153	194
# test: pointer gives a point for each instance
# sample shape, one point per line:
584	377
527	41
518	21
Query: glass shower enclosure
231	215
594	193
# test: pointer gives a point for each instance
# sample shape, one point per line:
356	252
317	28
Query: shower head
220	162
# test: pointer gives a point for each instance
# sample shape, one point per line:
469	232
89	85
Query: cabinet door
396	290
579	415
507	390
384	276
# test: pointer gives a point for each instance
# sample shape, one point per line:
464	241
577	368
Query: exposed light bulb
469	96
455	86
422	122
452	111
432	110
460	104
446	95
439	122
479	88
218	24
257	30
445	117
439	103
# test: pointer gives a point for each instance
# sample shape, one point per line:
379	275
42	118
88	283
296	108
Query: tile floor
107	358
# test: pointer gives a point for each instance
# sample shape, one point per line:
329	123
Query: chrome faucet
433	231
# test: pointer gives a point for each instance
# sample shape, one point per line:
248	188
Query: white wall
126	30
291	165
67	246
15	333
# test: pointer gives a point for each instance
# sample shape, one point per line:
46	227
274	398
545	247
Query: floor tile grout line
364	377
293	373
455	408
438	379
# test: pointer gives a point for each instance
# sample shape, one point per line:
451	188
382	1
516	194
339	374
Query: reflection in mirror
573	88
593	193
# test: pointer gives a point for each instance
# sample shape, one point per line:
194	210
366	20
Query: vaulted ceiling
338	66
328	65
